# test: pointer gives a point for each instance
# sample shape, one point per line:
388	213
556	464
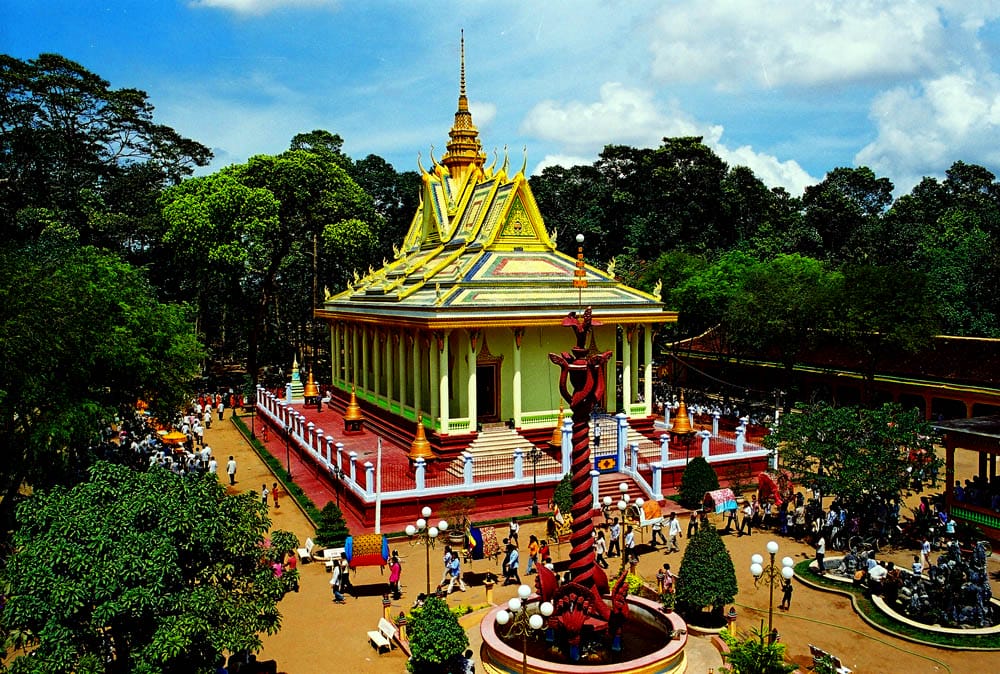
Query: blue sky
790	89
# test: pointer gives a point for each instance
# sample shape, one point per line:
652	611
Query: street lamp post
521	622
535	455
288	454
420	532
769	574
622	507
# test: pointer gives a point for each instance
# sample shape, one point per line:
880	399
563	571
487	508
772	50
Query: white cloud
262	6
772	171
775	43
623	115
483	114
924	128
630	116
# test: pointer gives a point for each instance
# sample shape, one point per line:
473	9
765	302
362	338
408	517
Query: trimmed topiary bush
707	576
331	530
698	478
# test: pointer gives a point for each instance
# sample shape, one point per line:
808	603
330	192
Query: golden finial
658	289
326	293
356	276
553	235
611	267
524	163
395	252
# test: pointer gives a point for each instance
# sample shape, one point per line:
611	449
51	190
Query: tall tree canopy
254	225
82	335
140	572
75	150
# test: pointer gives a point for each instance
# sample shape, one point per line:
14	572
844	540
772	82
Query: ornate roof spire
464	151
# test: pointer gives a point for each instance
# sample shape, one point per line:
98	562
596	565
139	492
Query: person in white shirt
673	531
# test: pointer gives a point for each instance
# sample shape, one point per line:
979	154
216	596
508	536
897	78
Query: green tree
89	154
883	310
698	478
754	653
707	576
82	336
331	530
140	572
845	210
437	639
785	303
852	452
256	225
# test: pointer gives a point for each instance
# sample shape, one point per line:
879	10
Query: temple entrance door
488	392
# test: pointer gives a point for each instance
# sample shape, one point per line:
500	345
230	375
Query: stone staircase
493	451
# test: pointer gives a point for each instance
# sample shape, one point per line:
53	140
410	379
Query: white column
443	401
633	365
472	400
516	383
647	386
626	370
434	364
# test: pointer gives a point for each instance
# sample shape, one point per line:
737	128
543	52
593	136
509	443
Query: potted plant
667	599
456	510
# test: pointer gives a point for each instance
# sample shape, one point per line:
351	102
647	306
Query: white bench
330	556
383	636
305	554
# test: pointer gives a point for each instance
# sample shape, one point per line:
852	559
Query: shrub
331	530
563	496
698	478
707	576
437	639
753	654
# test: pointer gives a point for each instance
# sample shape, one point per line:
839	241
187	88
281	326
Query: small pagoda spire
464	151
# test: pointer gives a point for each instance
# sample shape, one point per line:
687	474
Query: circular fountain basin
661	655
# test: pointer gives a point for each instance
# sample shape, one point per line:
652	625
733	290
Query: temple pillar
400	361
647	372
516	382
391	345
334	353
472	401
354	354
626	368
377	347
633	348
364	358
418	362
443	383
434	365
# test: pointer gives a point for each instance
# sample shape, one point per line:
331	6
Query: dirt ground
318	636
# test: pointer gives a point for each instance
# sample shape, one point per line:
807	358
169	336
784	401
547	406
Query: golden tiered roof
477	253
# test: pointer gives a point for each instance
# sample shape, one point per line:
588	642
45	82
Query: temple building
457	328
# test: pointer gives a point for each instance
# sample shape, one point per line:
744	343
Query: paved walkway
318	636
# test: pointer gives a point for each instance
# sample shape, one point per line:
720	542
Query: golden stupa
353	418
420	448
311	391
682	424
